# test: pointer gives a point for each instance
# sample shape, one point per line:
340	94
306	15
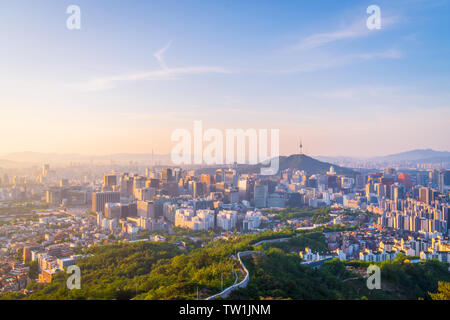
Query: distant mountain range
37	158
8	164
415	155
418	156
295	161
301	162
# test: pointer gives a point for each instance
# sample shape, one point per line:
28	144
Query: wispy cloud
159	55
357	29
388	54
328	62
165	73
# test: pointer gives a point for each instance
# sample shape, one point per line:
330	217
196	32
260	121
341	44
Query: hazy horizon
168	154
132	75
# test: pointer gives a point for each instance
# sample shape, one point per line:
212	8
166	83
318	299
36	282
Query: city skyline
428	154
132	75
259	153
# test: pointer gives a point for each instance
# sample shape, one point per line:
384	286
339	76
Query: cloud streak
341	61
165	73
357	29
159	55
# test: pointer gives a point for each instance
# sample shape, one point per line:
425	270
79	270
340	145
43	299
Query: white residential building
252	220
226	219
186	218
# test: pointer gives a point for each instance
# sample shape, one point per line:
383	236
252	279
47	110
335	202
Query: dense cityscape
51	215
224	159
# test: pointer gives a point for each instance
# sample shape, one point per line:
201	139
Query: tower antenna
301	146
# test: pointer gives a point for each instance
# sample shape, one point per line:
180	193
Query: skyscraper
405	178
109	181
45	170
206	178
166	174
146	209
113	210
260	198
424	195
99	199
243	189
219	177
444	180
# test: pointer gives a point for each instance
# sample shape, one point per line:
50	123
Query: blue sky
137	70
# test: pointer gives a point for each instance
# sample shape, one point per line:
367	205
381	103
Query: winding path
243	284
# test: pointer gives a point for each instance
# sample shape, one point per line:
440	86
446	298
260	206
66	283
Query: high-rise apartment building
424	195
113	210
99	199
167	174
109	180
45	170
146	209
444	180
260	197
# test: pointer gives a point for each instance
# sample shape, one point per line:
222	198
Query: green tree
443	291
33	273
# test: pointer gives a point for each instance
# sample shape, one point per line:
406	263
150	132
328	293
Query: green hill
300	162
